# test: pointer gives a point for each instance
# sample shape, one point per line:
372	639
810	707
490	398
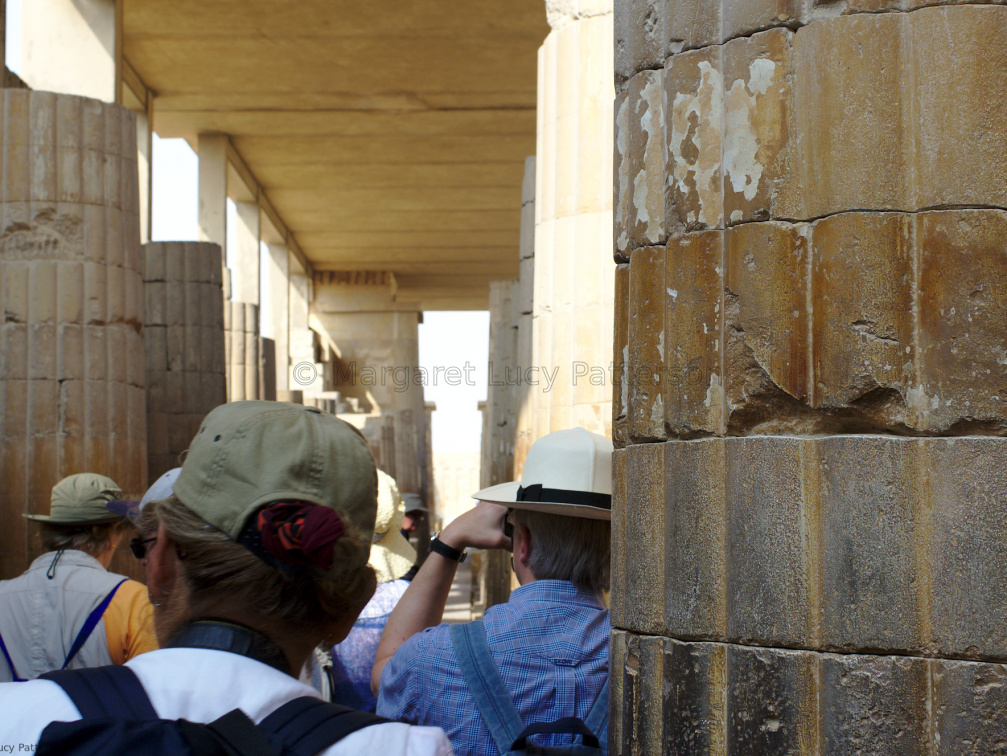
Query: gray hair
568	548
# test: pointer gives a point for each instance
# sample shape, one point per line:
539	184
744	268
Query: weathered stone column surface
184	341
811	377
241	343
71	345
571	365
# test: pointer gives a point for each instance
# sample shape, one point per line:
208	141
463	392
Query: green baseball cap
81	500
249	454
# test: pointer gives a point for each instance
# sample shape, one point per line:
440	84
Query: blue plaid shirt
550	643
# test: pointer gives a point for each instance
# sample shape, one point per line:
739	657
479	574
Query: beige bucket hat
391	554
567	472
81	499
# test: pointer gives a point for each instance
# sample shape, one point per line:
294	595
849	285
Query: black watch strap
439	547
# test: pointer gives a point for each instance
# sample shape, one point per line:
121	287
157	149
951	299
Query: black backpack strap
307	725
113	691
233	734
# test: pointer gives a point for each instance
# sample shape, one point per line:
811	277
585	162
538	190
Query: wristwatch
439	547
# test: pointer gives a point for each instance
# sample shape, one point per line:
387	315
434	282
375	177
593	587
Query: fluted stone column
573	221
71	345
811	401
184	340
241	343
524	432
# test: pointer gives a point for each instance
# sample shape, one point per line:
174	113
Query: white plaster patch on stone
622	210
761	74
660	345
673	293
713	392
736	215
922	404
648	186
657	412
707	104
741	144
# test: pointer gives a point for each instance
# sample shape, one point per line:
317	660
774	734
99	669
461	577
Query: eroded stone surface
694	333
771	701
620	364
875	704
862	293
962	383
695	679
766	319
644	538
646	345
640	36
969	704
695	574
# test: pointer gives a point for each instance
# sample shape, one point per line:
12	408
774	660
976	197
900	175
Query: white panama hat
567	472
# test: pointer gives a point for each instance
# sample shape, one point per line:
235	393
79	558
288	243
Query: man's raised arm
422	605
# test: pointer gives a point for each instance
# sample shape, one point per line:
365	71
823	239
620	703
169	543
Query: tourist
549	642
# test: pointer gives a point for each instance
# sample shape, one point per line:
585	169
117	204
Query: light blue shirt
550	643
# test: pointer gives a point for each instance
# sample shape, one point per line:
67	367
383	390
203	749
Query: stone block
650	714
644	536
694	97
42	280
70	354
692	23
874	704
742	17
43	352
95	291
869	497
694	334
115	294
962	312
960	143
646	345
16	295
640	36
969	708
758	117
766	323
43	408
617	587
616	673
622	189
772	701
646	151
852	117
967	564
695	564
14	359
863	329
695	704
771	545
620	355
174	263
154	262
70	293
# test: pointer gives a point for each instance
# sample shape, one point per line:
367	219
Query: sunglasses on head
139	546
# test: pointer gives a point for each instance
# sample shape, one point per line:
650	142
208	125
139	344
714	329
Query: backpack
117	719
501	716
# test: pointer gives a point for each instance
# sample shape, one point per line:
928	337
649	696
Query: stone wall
71	344
184	341
811	378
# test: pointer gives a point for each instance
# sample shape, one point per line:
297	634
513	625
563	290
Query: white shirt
201	685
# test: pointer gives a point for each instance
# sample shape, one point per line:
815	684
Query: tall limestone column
811	223
71	344
184	340
573	221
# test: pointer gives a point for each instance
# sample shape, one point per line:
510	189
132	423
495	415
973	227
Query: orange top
129	623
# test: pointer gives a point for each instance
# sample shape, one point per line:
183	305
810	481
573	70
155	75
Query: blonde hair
215	569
